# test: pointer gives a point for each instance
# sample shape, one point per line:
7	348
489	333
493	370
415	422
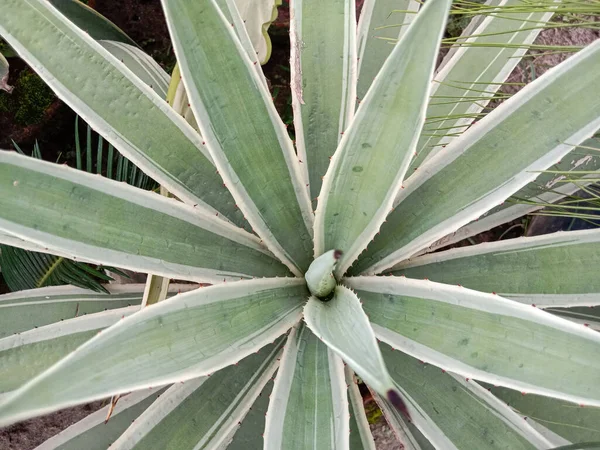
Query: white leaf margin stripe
67	294
349	78
227	423
502	192
356	401
88	322
503	412
419	417
487	222
243	36
518	245
14	241
160	78
194	215
276	412
95	419
493	304
98	123
494	84
237	190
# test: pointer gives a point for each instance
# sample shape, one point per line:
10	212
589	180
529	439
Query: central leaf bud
319	276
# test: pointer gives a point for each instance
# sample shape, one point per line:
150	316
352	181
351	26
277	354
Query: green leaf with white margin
142	65
504	214
242	130
258	16
184	337
526	134
474	70
115	224
369	165
90	21
558	269
242	28
27	354
548	188
94	433
177	96
454	413
378	26
323	95
342	324
203	413
117	104
570	421
34	308
4	74
250	433
308	406
360	433
484	336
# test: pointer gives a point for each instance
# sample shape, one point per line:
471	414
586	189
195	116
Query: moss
29	100
373	412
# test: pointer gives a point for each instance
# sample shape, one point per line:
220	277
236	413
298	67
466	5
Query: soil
144	22
31	433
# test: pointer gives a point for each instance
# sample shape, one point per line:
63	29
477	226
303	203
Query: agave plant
201	362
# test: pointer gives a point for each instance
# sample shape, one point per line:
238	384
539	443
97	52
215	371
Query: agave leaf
323	95
205	412
116	224
505	214
250	433
372	158
547	189
177	96
380	23
454	413
242	130
575	423
244	27
94	432
4	75
191	334
142	65
474	70
360	433
484	336
25	310
90	21
25	355
117	104
258	16
531	270
343	326
510	146
308	406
